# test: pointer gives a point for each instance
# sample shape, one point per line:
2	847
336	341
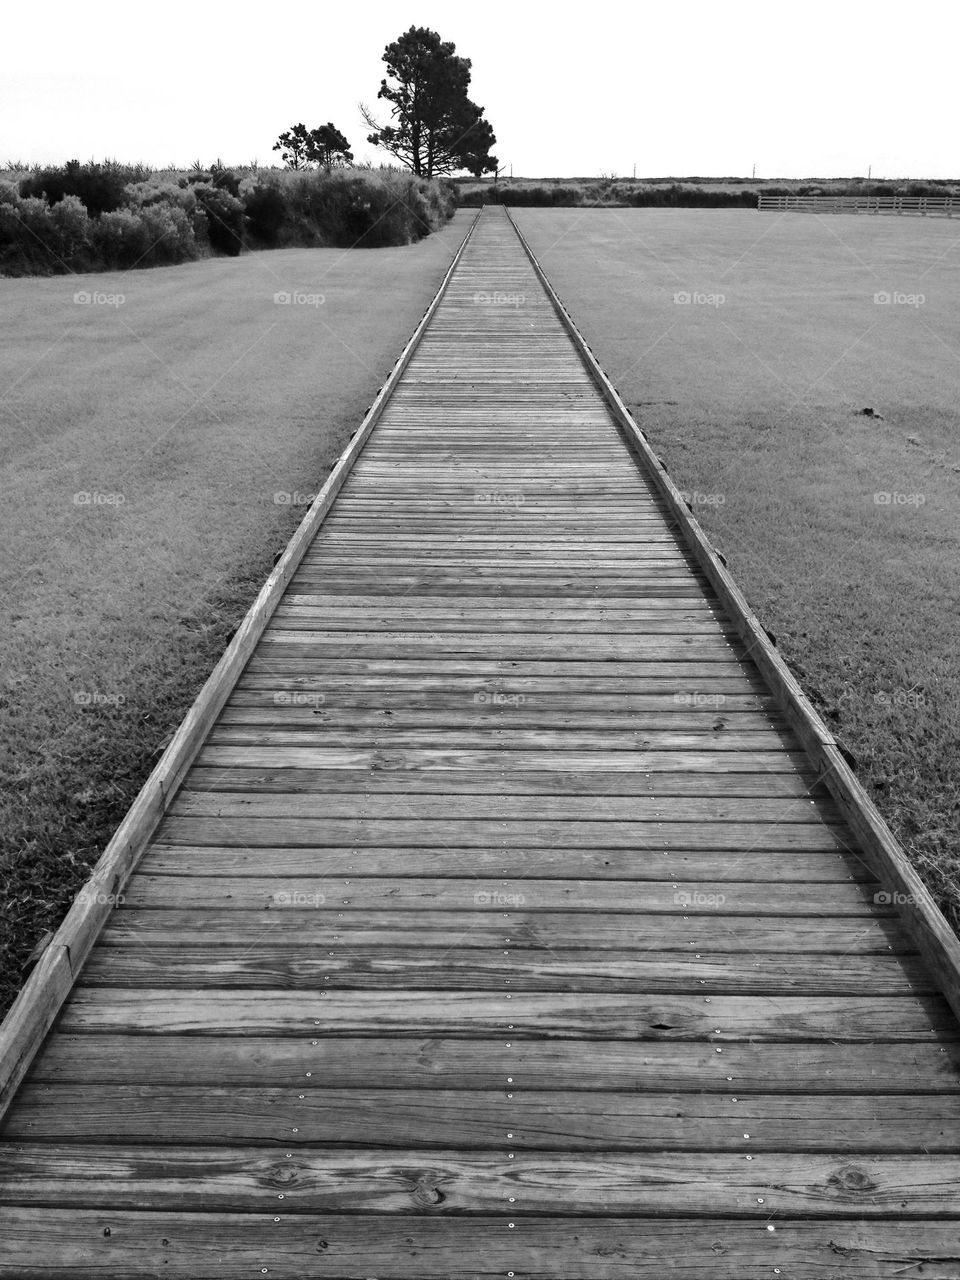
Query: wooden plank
542	783
714	932
719	1019
386	1181
719	740
667	809
476	1120
629	898
429	1062
397	759
221	1246
692	866
188	964
292	713
481	833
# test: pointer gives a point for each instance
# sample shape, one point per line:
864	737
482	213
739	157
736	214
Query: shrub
71	223
99	186
157	235
224	215
266	211
169	218
36	239
137	195
215	176
367	208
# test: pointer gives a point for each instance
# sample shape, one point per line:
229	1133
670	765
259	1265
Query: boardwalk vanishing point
502	908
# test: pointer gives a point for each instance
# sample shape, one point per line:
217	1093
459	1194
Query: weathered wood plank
543	783
712	931
761	864
719	1019
575	833
431	1061
504	1120
220	1246
631	899
397	759
386	1181
608	808
188	964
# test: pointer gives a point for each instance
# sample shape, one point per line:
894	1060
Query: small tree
325	146
438	129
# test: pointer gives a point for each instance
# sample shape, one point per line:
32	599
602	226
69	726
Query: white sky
682	87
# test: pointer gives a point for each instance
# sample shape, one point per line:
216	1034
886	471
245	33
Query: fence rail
942	205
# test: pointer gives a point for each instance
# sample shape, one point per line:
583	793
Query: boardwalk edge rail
882	852
50	981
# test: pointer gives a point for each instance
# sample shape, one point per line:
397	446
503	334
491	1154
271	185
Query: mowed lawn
747	345
157	453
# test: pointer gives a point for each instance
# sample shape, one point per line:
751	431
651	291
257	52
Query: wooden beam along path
503	925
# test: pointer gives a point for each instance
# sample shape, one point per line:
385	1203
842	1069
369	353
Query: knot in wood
427	1193
281	1175
850	1178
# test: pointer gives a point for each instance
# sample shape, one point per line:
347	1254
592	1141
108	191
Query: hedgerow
113	217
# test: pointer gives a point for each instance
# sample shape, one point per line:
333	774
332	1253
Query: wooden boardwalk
501	926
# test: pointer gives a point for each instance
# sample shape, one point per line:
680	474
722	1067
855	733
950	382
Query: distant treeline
102	217
612	193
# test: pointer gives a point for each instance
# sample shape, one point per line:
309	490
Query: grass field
748	345
157	453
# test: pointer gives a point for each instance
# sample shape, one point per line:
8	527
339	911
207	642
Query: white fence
944	206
